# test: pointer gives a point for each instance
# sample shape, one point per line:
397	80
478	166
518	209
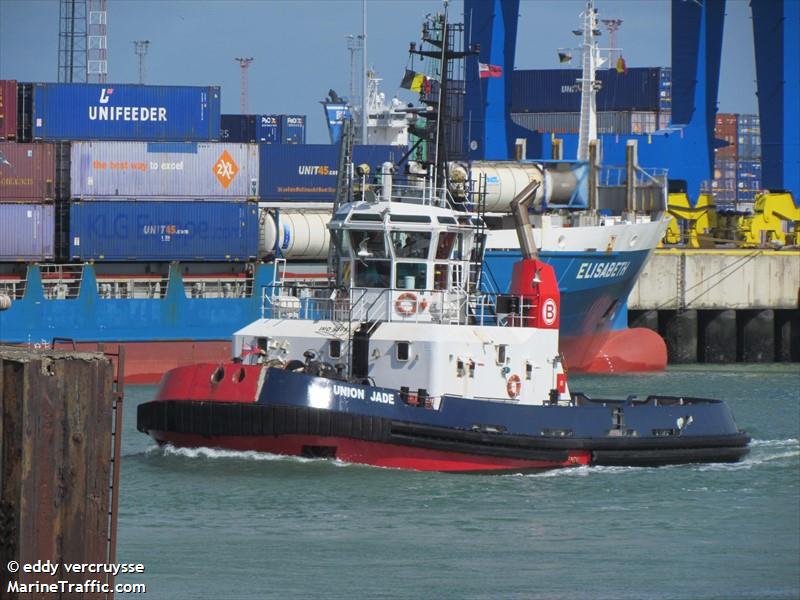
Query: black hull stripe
211	419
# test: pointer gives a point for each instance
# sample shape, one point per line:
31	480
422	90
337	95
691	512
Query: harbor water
215	524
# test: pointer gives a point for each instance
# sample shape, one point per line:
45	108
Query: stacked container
250	129
748	133
136	174
27	194
548	100
85	111
308	172
293	129
8	109
737	172
158	169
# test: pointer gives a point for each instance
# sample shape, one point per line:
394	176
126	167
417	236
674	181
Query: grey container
157	169
26	231
613	122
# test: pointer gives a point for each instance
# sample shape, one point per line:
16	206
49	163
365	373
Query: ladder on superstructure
478	198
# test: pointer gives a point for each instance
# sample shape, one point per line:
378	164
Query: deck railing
366	305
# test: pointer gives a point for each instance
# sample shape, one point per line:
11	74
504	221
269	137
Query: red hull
623	351
146	362
371	453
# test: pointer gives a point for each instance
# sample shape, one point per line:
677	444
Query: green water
214	524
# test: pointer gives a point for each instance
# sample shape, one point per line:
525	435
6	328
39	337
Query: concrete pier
720	306
57	467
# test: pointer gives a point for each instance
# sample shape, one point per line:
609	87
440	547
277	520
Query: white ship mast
591	60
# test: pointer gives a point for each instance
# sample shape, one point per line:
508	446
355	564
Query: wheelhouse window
441	274
411	244
368	244
371	267
411	276
449	246
372	273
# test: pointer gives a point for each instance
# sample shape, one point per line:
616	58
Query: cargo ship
146	263
125	220
409	365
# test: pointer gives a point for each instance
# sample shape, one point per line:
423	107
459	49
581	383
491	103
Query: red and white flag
485	70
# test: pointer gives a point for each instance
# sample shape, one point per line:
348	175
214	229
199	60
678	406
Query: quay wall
721	306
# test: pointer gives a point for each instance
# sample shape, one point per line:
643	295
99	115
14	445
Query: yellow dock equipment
691	225
775	221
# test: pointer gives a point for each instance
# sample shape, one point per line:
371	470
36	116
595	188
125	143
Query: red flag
485	70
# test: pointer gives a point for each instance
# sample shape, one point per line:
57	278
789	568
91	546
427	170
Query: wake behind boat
407	364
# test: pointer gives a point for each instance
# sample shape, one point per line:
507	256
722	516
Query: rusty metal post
594	155
557	149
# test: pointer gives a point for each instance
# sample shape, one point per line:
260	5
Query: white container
170	169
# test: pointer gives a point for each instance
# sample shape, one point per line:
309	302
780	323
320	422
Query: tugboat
406	363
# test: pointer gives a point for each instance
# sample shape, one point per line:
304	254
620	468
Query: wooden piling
56	419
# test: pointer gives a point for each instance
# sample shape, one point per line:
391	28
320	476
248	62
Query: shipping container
748	169
157	169
748	124
237	128
725	168
84	111
163	230
725	129
557	90
27	172
614	122
269	130
27	232
749	147
8	109
307	172
665	89
293	129
250	129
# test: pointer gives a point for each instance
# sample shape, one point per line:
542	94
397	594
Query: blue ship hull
181	329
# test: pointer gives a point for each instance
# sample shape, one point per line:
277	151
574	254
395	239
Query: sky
300	48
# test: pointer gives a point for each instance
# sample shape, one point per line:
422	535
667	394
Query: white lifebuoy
406	304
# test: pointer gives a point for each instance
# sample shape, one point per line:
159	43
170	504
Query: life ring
513	386
406	304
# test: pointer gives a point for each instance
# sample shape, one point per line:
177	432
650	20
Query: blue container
83	111
26	231
268	129
748	169
163	230
557	90
293	129
249	129
665	89
307	172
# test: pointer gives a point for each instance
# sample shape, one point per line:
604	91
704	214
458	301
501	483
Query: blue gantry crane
687	147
